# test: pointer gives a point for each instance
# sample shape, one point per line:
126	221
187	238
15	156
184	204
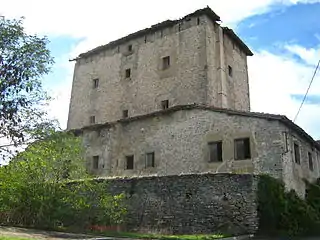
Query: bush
49	205
36	188
284	213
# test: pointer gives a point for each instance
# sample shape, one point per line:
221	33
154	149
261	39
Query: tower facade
191	60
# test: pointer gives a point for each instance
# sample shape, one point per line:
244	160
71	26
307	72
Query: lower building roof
275	117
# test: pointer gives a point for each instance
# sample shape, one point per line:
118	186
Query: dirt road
48	235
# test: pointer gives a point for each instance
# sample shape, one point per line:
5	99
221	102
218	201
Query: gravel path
48	235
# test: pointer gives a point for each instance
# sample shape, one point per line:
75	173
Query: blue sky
283	34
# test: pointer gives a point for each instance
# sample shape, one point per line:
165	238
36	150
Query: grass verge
14	238
160	236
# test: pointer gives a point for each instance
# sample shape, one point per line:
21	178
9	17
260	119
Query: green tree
57	157
24	60
36	188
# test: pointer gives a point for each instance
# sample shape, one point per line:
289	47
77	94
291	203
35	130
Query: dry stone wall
185	204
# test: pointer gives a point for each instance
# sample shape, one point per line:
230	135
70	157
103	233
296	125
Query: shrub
48	205
36	188
284	213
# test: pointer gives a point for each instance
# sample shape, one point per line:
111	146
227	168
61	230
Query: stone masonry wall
183	82
191	78
199	203
238	86
294	173
180	140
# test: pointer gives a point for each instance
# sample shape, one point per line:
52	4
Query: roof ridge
167	23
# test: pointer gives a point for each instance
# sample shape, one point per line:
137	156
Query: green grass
145	236
13	238
160	236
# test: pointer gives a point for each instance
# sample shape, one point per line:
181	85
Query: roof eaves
281	118
205	11
286	121
235	38
186	107
156	27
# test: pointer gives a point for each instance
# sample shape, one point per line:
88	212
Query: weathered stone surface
208	65
179	140
198	73
196	203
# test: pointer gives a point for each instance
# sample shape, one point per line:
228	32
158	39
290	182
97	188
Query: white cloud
59	106
116	18
273	79
109	20
309	55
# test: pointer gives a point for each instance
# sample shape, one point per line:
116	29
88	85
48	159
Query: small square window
296	153
230	71
310	161
128	73
150	159
165	104
242	149
125	113
198	21
130	48
166	62
95	83
129	162
95	163
92	119
215	151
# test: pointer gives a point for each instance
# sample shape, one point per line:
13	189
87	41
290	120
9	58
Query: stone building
173	99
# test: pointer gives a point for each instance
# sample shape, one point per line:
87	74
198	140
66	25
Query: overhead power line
305	96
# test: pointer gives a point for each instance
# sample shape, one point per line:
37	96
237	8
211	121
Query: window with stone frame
92	119
165	62
125	113
215	151
129	165
95	83
128	73
165	104
150	160
242	149
311	167
95	162
296	149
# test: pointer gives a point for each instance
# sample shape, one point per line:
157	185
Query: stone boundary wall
185	204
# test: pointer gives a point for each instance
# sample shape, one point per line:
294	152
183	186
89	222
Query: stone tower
186	61
174	99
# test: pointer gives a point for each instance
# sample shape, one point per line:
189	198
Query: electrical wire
305	96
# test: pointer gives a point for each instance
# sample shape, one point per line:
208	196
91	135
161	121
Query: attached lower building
197	139
174	99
